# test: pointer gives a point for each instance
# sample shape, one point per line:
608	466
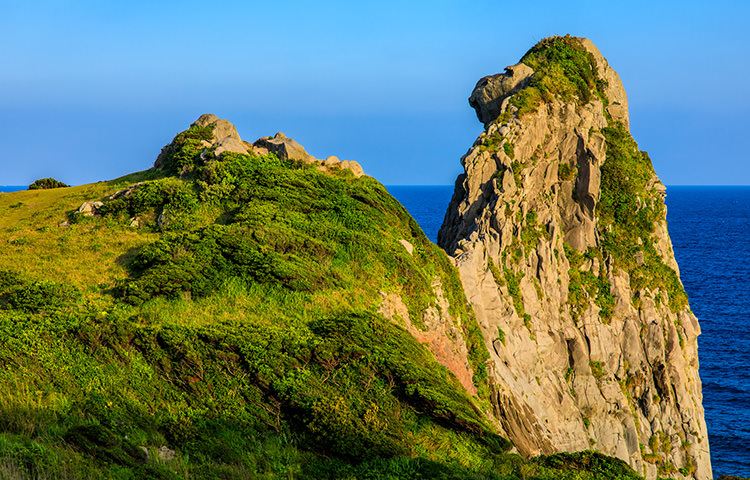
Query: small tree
44	183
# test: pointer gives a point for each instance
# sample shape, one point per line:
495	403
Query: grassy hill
218	318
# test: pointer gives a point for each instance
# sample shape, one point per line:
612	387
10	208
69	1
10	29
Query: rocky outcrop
224	138
558	230
285	148
491	91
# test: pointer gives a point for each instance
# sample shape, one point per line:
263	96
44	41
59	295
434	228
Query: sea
710	232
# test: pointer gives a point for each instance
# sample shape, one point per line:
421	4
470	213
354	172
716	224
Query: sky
92	90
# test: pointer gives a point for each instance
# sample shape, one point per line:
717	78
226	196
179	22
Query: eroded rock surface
590	346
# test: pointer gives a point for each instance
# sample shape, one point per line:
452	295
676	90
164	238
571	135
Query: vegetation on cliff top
562	69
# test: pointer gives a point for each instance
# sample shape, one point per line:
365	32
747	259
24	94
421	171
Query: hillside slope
241	311
558	228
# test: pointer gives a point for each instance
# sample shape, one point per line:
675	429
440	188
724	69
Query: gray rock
285	148
558	366
490	91
166	454
89	209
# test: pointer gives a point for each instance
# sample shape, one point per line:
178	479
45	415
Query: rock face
558	228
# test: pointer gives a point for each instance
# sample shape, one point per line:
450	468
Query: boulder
331	161
407	245
225	136
285	148
89	209
353	166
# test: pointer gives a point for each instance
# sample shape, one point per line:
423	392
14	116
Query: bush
45	183
43	295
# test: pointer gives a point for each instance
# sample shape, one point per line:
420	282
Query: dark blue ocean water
710	231
12	188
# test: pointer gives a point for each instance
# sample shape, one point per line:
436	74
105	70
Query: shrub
45	183
43	295
597	369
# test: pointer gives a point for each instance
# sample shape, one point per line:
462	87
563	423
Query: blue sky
92	90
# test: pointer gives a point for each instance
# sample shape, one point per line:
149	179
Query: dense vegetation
242	332
234	333
44	183
562	69
628	212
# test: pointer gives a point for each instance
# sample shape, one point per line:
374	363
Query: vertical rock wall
587	349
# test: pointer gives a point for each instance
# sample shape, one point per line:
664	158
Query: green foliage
566	172
496	274
628	213
562	69
585	287
623	180
513	282
175	200
45	183
599	465
501	335
531	232
516	168
491	143
184	152
508	149
40	296
597	369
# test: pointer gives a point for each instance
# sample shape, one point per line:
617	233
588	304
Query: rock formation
558	228
224	138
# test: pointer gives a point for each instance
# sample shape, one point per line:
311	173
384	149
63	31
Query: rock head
558	229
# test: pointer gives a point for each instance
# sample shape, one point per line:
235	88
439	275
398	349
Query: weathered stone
353	166
205	120
407	245
331	161
558	366
285	148
89	209
166	454
490	91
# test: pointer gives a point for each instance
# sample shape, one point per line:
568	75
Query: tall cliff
558	228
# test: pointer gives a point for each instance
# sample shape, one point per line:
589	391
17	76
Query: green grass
241	329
